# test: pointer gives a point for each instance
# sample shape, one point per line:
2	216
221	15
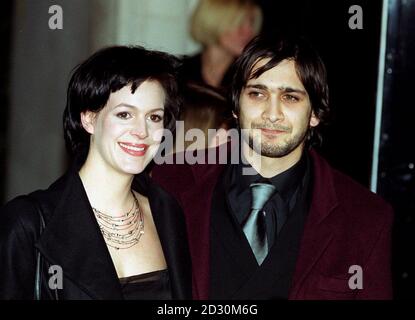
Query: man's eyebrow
282	88
257	86
291	89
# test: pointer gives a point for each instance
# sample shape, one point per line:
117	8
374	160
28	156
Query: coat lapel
171	228
72	240
317	234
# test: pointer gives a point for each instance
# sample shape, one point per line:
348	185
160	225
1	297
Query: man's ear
314	120
88	121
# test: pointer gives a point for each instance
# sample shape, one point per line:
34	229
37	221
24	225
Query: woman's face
126	133
235	40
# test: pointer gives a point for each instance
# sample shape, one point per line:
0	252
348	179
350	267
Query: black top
278	207
147	286
191	71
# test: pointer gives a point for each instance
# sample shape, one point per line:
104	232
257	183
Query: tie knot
261	193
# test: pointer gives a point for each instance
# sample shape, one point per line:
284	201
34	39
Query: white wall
42	60
155	24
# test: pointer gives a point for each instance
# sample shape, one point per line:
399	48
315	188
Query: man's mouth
272	132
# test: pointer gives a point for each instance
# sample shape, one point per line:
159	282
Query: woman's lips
136	150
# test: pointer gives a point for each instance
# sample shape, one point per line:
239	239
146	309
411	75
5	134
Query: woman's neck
108	191
215	63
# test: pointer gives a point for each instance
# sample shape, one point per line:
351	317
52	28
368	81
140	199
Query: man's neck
269	167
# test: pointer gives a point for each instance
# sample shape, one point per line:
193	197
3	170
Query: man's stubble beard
279	149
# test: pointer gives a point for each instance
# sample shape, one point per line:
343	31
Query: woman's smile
136	150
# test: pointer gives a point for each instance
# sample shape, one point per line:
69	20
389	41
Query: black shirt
288	185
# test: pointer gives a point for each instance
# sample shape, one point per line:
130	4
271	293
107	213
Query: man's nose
273	112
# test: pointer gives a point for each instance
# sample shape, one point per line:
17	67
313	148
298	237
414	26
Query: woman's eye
124	115
156	118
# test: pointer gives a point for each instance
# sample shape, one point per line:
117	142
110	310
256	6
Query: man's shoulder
352	191
188	169
178	178
353	196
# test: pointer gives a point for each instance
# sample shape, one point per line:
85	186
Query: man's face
277	105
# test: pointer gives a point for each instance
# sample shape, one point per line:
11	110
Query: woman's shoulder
23	210
19	219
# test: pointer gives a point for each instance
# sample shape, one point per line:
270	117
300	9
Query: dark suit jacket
73	241
347	225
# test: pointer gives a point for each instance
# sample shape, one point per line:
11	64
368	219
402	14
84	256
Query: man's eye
255	94
156	118
291	98
124	115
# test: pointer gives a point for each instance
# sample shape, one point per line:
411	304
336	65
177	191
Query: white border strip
379	96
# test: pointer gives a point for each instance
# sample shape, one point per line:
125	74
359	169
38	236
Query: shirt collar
286	182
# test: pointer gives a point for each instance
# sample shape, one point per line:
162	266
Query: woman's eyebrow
135	107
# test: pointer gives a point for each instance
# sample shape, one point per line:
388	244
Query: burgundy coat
347	225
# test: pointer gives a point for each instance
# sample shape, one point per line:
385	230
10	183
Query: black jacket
73	241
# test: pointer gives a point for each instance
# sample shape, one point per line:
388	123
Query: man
317	234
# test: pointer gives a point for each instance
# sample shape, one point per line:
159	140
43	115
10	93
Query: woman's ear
88	121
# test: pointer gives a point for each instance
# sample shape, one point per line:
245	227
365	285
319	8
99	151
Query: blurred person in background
223	28
111	231
204	108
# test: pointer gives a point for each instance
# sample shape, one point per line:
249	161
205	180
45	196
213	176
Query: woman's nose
140	129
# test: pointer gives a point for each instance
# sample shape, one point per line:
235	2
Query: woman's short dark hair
309	66
108	71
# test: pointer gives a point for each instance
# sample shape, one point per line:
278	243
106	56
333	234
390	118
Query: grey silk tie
254	226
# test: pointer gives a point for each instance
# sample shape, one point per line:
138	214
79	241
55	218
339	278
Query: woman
223	28
108	234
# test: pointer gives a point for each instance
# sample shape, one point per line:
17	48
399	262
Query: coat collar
72	239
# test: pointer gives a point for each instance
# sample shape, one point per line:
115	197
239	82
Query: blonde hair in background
212	18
